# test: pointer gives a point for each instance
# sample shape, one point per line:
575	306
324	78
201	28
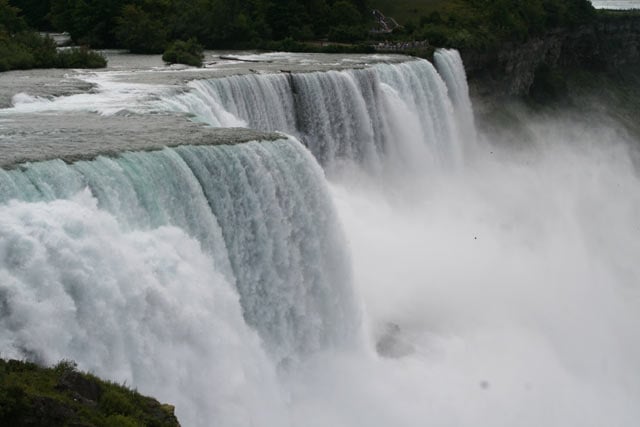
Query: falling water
493	285
397	114
142	268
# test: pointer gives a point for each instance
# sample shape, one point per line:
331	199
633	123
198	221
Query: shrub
80	57
29	49
181	52
43	49
13	56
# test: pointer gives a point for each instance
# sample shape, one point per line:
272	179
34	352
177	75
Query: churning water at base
156	267
507	295
435	279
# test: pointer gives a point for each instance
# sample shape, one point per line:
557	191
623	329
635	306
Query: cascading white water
181	229
217	278
480	290
143	307
399	112
450	66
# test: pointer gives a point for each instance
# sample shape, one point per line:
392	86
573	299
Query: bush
181	52
43	49
80	57
14	57
29	49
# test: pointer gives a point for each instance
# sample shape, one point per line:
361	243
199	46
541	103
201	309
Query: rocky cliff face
611	42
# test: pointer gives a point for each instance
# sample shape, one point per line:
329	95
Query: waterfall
200	274
451	68
492	287
148	268
386	116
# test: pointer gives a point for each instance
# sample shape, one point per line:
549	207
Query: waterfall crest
450	66
388	113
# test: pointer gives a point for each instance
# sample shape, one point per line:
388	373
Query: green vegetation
148	26
78	57
23	48
34	12
484	24
180	52
407	11
32	395
151	26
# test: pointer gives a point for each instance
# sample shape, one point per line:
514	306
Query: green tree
181	52
286	18
345	13
90	22
10	21
35	12
139	32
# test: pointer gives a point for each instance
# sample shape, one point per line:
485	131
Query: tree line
483	24
21	47
147	26
185	26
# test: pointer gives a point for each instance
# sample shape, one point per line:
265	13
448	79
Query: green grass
33	395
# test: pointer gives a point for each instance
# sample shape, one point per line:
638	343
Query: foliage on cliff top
32	395
482	24
22	48
146	26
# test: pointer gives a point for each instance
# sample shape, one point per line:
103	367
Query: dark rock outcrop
610	42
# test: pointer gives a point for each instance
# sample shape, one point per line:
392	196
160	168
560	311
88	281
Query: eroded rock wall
611	42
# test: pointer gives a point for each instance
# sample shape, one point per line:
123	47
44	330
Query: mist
406	257
503	293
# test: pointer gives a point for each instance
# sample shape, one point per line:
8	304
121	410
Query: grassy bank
61	396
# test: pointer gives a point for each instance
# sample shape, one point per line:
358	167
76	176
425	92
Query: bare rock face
611	42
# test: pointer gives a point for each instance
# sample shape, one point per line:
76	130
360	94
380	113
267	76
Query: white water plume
133	306
161	276
450	66
219	278
506	295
